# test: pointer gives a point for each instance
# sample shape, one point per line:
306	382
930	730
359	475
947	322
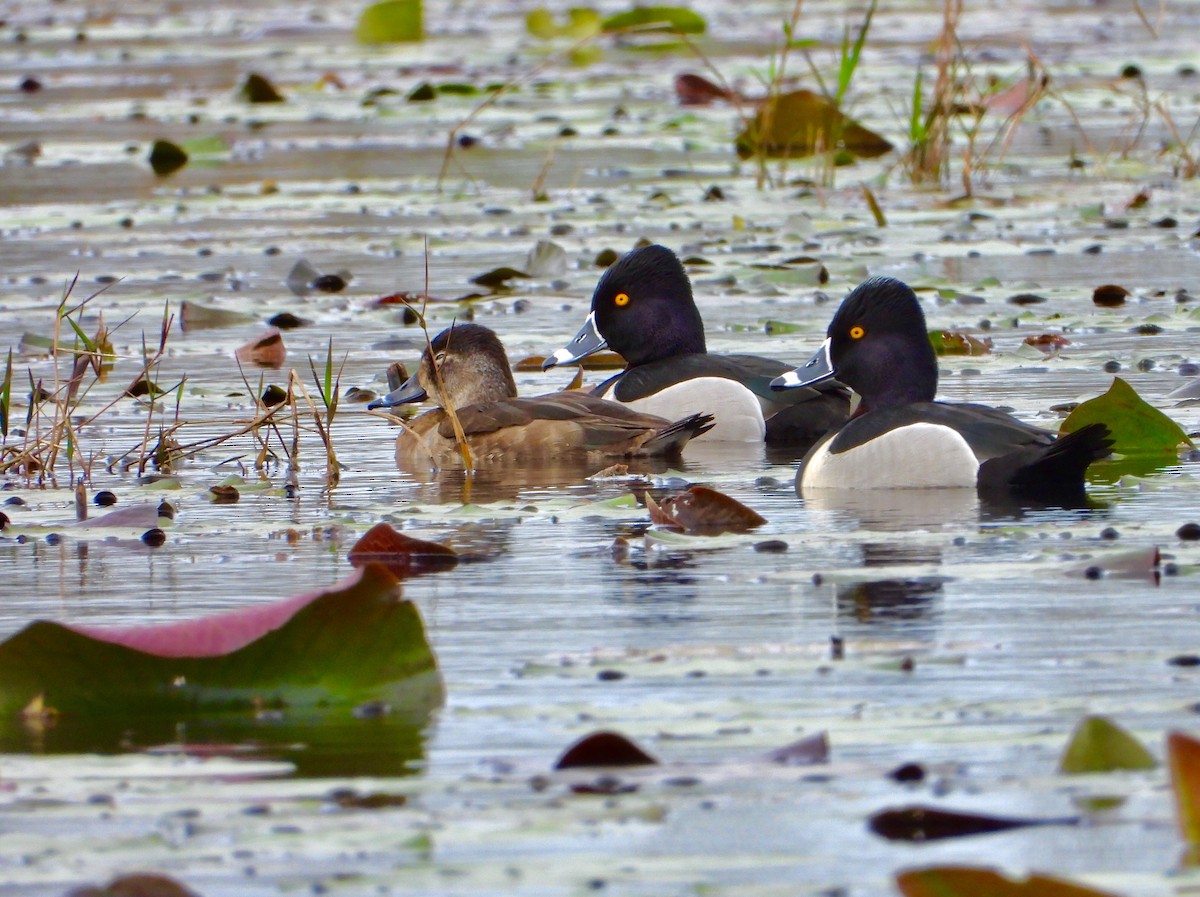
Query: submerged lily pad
1138	429
1183	758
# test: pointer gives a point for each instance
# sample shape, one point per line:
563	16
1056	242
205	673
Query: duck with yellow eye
643	309
900	437
466	368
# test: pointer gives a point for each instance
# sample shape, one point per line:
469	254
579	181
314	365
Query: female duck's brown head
463	365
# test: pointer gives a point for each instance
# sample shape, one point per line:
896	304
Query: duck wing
989	432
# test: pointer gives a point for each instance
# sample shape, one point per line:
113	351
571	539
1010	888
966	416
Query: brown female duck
465	367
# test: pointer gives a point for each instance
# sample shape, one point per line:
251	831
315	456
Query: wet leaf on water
266	351
131	517
392	21
1139	563
1047	342
273	395
167	157
497	278
1109	295
953	342
349	799
141	884
600	361
546	259
224	495
702	509
258	89
580	23
1138	429
285	320
142	387
657	18
973	881
193	316
805	752
1100	745
694	90
422	93
402	555
342	645
918	823
1183	759
301	276
603	749
801	123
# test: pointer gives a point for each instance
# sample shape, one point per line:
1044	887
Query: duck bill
816	369
409	391
586	341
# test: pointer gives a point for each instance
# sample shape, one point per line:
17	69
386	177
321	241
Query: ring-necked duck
899	437
466	367
643	309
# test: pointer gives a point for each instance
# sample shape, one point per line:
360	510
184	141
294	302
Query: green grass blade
852	54
6	396
916	124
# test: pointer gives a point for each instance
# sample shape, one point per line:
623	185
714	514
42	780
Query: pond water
973	641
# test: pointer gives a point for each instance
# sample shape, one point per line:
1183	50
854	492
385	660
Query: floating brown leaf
1047	342
1183	757
167	157
919	823
140	884
801	123
402	555
259	89
497	278
603	749
266	351
805	752
1109	295
702	509
973	881
694	90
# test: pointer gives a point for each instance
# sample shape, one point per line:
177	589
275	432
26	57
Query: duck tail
671	439
1048	471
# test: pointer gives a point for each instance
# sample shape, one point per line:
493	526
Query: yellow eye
621	299
857	332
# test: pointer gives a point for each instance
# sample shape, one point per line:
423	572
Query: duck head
642	309
877	345
472	365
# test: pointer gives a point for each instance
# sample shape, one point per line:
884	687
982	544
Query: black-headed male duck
899	437
465	367
643	309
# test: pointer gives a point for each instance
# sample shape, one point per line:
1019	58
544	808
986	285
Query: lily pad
392	21
1138	429
702	509
580	23
918	823
1100	745
402	555
356	641
802	123
657	18
167	157
952	342
267	351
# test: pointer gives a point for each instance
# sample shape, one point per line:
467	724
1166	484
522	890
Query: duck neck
902	371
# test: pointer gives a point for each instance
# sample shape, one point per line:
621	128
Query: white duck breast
916	456
737	411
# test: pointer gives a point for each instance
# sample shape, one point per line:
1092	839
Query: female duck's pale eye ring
856	332
621	300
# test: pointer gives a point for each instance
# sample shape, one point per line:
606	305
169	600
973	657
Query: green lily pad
1138	429
581	22
392	21
357	641
657	18
1100	745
